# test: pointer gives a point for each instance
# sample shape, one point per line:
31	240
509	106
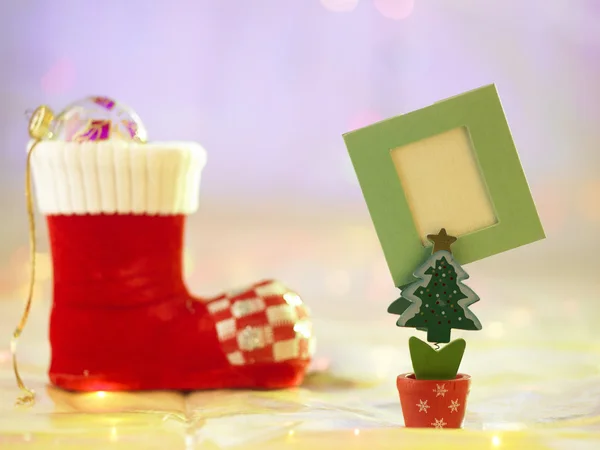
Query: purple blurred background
268	87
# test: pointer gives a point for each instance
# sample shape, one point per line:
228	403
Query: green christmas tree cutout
438	301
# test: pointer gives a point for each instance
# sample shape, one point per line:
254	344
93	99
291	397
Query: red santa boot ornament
122	317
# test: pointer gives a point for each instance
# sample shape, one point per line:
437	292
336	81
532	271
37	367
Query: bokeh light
4	356
292	299
188	262
589	205
495	330
60	78
290	437
338	282
363	119
571	307
21	268
340	5
521	317
552	201
320	364
395	9
43	266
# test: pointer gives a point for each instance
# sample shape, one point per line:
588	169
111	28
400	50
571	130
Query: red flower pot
433	403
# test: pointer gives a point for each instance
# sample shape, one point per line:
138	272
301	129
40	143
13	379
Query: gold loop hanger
39	128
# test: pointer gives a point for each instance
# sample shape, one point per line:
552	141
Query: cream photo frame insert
443	184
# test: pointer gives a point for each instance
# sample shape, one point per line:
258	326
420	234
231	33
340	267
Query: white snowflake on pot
440	390
454	405
423	406
438	423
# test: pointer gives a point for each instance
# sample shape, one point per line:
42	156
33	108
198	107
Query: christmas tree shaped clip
436	303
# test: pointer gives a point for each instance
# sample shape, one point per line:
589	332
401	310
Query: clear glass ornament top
90	119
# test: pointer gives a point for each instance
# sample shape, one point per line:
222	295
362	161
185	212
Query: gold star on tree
441	241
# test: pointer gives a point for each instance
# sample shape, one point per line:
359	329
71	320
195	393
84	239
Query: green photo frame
505	216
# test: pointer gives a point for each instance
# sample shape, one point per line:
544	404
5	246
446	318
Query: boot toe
265	332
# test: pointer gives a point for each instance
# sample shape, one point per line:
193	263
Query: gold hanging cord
39	128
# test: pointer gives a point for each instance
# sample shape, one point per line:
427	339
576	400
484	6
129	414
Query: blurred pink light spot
60	78
363	119
395	9
320	364
340	5
4	357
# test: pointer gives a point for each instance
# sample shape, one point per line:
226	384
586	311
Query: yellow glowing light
356	432
588	200
304	328
495	330
113	434
188	263
292	299
521	317
23	290
101	394
43	266
496	441
291	436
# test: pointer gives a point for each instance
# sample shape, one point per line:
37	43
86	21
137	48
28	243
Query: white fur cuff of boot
114	177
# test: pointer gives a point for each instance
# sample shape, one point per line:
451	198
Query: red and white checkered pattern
265	323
